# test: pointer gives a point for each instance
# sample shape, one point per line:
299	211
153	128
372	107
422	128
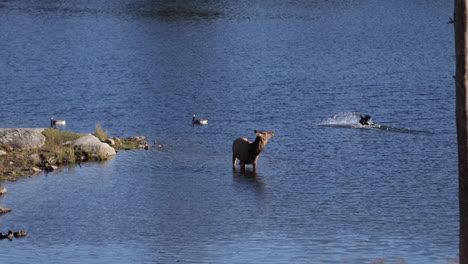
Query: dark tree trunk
460	25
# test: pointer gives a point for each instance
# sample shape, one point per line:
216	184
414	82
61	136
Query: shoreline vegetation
60	148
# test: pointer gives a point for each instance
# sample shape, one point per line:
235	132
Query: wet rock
143	146
50	168
4	210
3	190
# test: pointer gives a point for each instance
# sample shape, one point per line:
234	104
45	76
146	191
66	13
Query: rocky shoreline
27	151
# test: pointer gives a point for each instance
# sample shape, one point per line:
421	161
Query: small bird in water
58	122
201	121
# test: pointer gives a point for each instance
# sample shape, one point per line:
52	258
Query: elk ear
255	131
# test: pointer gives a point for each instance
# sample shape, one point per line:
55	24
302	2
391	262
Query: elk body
248	152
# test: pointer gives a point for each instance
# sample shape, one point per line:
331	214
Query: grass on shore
17	163
100	133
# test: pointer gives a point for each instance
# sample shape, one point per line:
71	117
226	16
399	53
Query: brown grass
100	133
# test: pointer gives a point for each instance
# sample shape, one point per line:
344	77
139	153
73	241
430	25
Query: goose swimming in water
12	234
201	121
9	235
57	122
21	233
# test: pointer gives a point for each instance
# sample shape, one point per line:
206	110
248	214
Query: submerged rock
4	210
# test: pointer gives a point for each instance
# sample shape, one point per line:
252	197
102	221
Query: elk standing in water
248	152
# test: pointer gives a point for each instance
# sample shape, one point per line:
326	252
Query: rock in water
4	210
3	190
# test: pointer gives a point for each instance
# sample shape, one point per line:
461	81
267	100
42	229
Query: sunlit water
321	194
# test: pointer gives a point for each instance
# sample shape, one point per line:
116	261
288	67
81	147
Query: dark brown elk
248	152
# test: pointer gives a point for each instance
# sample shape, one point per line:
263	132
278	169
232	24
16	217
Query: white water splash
345	118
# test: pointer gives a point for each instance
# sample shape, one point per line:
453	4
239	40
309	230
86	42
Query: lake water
325	190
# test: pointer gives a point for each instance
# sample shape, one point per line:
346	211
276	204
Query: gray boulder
92	144
110	141
22	138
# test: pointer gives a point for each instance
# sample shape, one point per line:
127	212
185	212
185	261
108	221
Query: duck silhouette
58	122
9	235
201	121
365	120
20	233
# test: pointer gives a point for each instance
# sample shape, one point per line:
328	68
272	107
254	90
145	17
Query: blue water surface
321	193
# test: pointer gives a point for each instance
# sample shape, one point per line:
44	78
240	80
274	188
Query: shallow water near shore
321	194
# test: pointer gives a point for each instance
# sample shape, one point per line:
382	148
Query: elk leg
242	165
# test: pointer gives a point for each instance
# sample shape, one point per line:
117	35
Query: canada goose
21	233
201	121
9	235
365	120
58	122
